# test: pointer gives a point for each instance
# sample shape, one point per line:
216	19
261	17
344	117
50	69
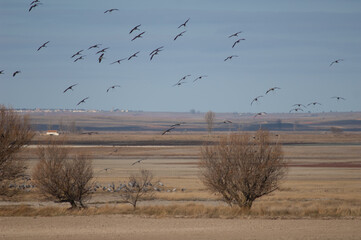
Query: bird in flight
336	61
77	53
35	1
134	55
34	5
168	130
234	44
156	50
339	98
14	74
296	110
260	114
79	58
180	34
227	121
230	57
70	88
2	71
138	161
44	45
82	101
200	77
272	89
138	36
298	105
177	124
234	34
184	24
118	61
314	103
135	28
94	46
111	10
102	51
101	57
256	99
112	87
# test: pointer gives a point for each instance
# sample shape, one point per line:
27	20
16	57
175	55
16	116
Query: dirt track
130	227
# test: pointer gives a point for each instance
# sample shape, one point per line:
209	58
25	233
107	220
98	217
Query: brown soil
131	227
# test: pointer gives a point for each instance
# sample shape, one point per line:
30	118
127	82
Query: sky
288	44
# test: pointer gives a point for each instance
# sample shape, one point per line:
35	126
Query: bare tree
63	178
138	187
15	133
242	168
209	117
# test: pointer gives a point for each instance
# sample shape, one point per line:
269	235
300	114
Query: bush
138	187
15	132
63	178
242	168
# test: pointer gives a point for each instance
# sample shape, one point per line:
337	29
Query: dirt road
131	227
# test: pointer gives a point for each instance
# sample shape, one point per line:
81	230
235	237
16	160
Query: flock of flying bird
80	56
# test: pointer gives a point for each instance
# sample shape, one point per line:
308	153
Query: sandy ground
135	227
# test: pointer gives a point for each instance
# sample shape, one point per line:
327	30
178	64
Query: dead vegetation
61	177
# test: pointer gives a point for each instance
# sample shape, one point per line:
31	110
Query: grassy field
323	177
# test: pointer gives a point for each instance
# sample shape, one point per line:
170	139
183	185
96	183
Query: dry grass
310	210
307	192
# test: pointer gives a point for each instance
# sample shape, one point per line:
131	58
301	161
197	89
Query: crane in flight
82	101
184	24
44	45
70	88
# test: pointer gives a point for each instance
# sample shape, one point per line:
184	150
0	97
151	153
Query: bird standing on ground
184	24
44	45
180	34
234	44
82	101
69	88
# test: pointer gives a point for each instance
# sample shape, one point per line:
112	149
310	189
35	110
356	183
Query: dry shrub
209	118
242	168
63	178
15	132
138	188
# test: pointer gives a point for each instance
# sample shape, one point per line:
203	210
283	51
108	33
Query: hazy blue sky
289	44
